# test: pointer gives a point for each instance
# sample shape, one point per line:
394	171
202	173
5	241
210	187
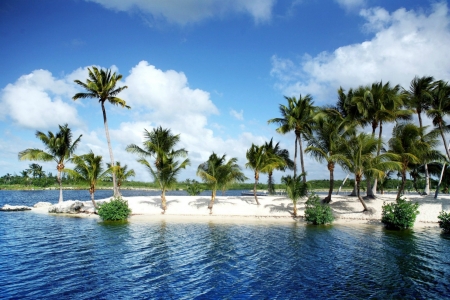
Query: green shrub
115	210
193	188
316	212
399	215
444	221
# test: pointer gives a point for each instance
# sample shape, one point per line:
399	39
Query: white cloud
351	4
405	44
36	101
191	11
238	115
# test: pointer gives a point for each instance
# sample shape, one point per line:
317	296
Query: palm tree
26	175
297	117
218	173
122	174
159	144
295	189
88	167
261	161
361	160
327	143
102	85
412	146
419	100
59	147
36	170
166	173
440	108
287	162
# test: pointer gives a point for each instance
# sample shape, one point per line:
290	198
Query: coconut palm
287	162
297	117
122	173
440	108
327	143
59	148
362	161
419	100
295	189
218	173
412	146
261	161
101	85
165	174
88	167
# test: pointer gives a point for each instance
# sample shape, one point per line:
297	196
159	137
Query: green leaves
444	221
316	212
115	210
399	215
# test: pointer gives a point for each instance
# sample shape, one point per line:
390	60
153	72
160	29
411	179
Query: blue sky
214	71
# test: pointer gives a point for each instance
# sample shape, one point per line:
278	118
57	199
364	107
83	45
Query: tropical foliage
114	210
122	173
444	221
400	214
295	189
316	212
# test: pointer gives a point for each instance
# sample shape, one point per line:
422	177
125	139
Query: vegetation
121	173
282	154
316	212
114	210
444	221
400	214
193	187
295	189
102	86
58	147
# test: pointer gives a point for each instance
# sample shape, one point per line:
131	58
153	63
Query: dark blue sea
55	257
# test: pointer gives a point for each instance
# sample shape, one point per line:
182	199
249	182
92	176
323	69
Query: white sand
271	208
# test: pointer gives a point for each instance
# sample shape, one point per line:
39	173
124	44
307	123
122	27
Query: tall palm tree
122	173
59	148
362	161
101	85
419	100
295	189
88	167
297	116
261	161
287	162
440	108
166	173
412	146
327	143
218	173
159	144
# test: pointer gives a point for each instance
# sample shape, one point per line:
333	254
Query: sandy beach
274	208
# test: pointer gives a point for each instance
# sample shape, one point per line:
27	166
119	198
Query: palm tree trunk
60	187
330	191
254	187
375	182
427	174
211	203
440	181
270	186
295	208
295	158
354	193
92	191
105	122
301	157
342	184
163	200
358	180
369	192
402	186
443	139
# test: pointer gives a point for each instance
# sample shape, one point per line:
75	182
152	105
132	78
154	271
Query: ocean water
54	257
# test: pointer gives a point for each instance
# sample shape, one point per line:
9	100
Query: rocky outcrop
67	207
8	207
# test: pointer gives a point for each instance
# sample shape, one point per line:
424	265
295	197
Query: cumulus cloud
238	115
351	4
191	11
36	101
405	44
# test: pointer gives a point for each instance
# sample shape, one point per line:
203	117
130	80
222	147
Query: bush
316	212
444	221
115	210
399	215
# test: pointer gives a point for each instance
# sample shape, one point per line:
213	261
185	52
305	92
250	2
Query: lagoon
46	256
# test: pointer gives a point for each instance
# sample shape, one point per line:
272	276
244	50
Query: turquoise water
44	257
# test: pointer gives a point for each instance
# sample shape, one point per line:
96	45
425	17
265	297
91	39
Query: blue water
54	257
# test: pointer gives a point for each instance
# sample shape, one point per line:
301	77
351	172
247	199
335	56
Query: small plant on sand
444	221
194	187
115	210
399	215
316	212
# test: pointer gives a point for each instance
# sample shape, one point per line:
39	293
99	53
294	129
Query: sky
213	71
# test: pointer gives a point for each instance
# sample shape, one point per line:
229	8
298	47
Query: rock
8	207
42	204
67	207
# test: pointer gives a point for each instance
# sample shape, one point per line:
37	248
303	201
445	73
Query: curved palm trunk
342	184
427	174
330	191
402	186
375	182
443	139
301	158
105	122
163	201
254	187
295	157
211	203
295	208
358	181
92	191
270	186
